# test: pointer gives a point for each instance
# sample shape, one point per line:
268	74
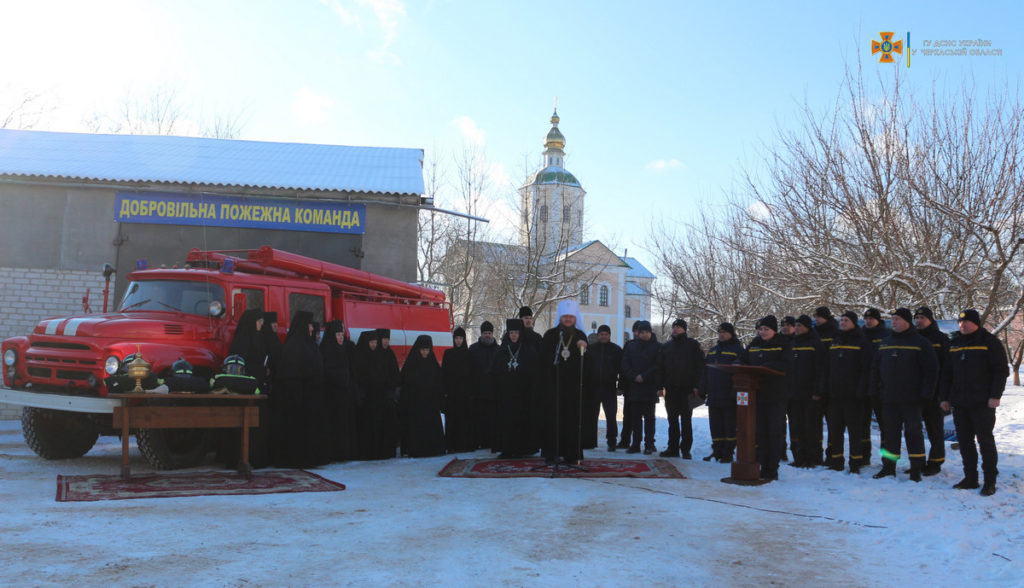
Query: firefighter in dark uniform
827	327
904	372
849	369
806	379
924	321
770	350
716	387
973	380
874	331
787	327
681	363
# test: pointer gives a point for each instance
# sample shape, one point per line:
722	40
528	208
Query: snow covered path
399	524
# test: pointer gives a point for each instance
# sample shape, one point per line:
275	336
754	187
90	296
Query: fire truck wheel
172	449
57	434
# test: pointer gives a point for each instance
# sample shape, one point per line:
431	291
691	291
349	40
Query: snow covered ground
400	524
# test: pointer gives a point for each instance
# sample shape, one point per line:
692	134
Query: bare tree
877	202
21	109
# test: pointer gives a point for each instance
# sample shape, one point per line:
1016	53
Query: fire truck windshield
186	296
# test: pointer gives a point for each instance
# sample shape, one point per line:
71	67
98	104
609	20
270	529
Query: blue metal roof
634	289
211	162
637	269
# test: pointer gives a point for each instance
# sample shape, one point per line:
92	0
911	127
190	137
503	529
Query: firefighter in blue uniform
770	350
904	372
716	387
849	369
924	321
874	330
806	378
973	380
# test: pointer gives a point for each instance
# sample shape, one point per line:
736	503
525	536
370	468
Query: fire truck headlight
10	357
110	366
216	308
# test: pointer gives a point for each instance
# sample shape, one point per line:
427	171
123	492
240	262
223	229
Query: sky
663	105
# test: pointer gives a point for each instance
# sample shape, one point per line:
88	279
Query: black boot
611	446
670	452
967	483
633	449
888	469
931	468
915	475
710	457
989	488
649	449
624	443
835	464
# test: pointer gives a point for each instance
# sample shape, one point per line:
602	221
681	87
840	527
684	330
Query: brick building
70	203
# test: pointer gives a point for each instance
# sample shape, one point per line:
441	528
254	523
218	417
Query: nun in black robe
299	384
338	352
248	343
376	423
514	373
457	378
420	401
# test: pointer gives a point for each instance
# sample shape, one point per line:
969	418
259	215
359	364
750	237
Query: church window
579	214
584	294
566	214
602	297
629	312
544	213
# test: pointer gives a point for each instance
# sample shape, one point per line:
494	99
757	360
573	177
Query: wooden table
241	412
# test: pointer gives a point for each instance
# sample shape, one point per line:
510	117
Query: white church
553	212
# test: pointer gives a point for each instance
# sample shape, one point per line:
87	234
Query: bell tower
551	201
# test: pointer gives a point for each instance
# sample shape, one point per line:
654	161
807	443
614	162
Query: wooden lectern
746	379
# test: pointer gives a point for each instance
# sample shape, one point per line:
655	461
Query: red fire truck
56	373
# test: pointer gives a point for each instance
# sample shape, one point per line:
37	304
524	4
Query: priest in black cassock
561	359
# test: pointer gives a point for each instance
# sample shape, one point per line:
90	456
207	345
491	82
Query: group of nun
335	400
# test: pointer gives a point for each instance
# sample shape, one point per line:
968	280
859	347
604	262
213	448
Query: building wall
54	240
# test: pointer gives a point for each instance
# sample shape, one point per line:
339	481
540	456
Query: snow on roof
211	162
637	269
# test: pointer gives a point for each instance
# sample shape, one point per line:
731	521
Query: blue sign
241	212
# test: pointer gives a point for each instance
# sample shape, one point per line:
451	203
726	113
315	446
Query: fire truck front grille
39	372
174	330
60	345
72	375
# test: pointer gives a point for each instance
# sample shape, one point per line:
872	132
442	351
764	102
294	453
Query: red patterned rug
167	485
528	468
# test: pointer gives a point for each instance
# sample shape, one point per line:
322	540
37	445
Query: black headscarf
249	344
301	357
366	365
417	368
336	360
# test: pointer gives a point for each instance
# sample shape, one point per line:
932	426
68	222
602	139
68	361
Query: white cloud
386	13
346	16
471	133
662	165
310	108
